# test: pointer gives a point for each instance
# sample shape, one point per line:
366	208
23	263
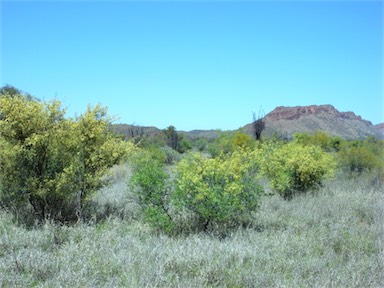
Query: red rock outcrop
285	121
292	113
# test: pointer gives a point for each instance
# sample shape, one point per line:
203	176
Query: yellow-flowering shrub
221	190
52	163
296	168
228	142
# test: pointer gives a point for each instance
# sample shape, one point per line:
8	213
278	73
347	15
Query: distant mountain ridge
380	127
131	131
285	121
291	113
288	120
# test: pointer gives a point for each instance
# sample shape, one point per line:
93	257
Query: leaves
293	167
220	190
47	160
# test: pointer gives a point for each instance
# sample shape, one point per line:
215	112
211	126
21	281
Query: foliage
171	156
52	163
295	168
152	141
298	243
98	149
258	125
229	142
13	91
175	140
172	137
221	190
199	144
356	157
321	139
149	182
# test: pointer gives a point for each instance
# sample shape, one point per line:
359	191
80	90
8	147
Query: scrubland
331	238
228	212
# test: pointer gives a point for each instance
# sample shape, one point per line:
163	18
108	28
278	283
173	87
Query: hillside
131	131
380	128
285	121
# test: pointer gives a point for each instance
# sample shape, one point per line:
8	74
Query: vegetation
294	168
258	125
220	191
228	142
49	162
331	239
357	157
149	183
179	218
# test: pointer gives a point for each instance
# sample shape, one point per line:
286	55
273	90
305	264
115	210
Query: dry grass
332	239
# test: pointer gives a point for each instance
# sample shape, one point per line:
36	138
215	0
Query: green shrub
356	159
295	168
220	191
171	155
149	183
229	142
321	139
52	163
361	156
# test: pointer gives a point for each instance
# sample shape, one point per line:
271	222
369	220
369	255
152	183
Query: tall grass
334	238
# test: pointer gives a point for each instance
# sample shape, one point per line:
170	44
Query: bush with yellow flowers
51	163
293	167
218	191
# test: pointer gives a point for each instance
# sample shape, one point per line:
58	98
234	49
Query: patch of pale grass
333	238
115	199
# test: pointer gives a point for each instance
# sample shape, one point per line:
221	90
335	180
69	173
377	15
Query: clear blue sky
196	64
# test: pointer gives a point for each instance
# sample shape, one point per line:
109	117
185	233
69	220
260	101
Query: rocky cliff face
292	113
286	121
380	127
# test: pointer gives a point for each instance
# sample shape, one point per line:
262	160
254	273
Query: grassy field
332	239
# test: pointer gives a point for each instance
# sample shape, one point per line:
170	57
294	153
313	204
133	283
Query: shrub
229	142
149	183
53	163
357	157
220	191
296	168
321	139
171	156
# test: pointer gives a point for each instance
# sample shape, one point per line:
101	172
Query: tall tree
172	137
13	91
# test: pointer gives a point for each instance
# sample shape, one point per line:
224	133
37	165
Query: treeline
51	166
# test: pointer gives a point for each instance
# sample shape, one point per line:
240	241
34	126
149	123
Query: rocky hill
380	128
285	121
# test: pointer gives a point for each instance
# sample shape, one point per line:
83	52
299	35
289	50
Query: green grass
332	239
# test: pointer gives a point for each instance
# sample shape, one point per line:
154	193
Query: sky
195	64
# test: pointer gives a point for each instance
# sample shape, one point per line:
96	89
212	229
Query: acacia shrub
319	138
50	162
228	142
293	167
218	191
